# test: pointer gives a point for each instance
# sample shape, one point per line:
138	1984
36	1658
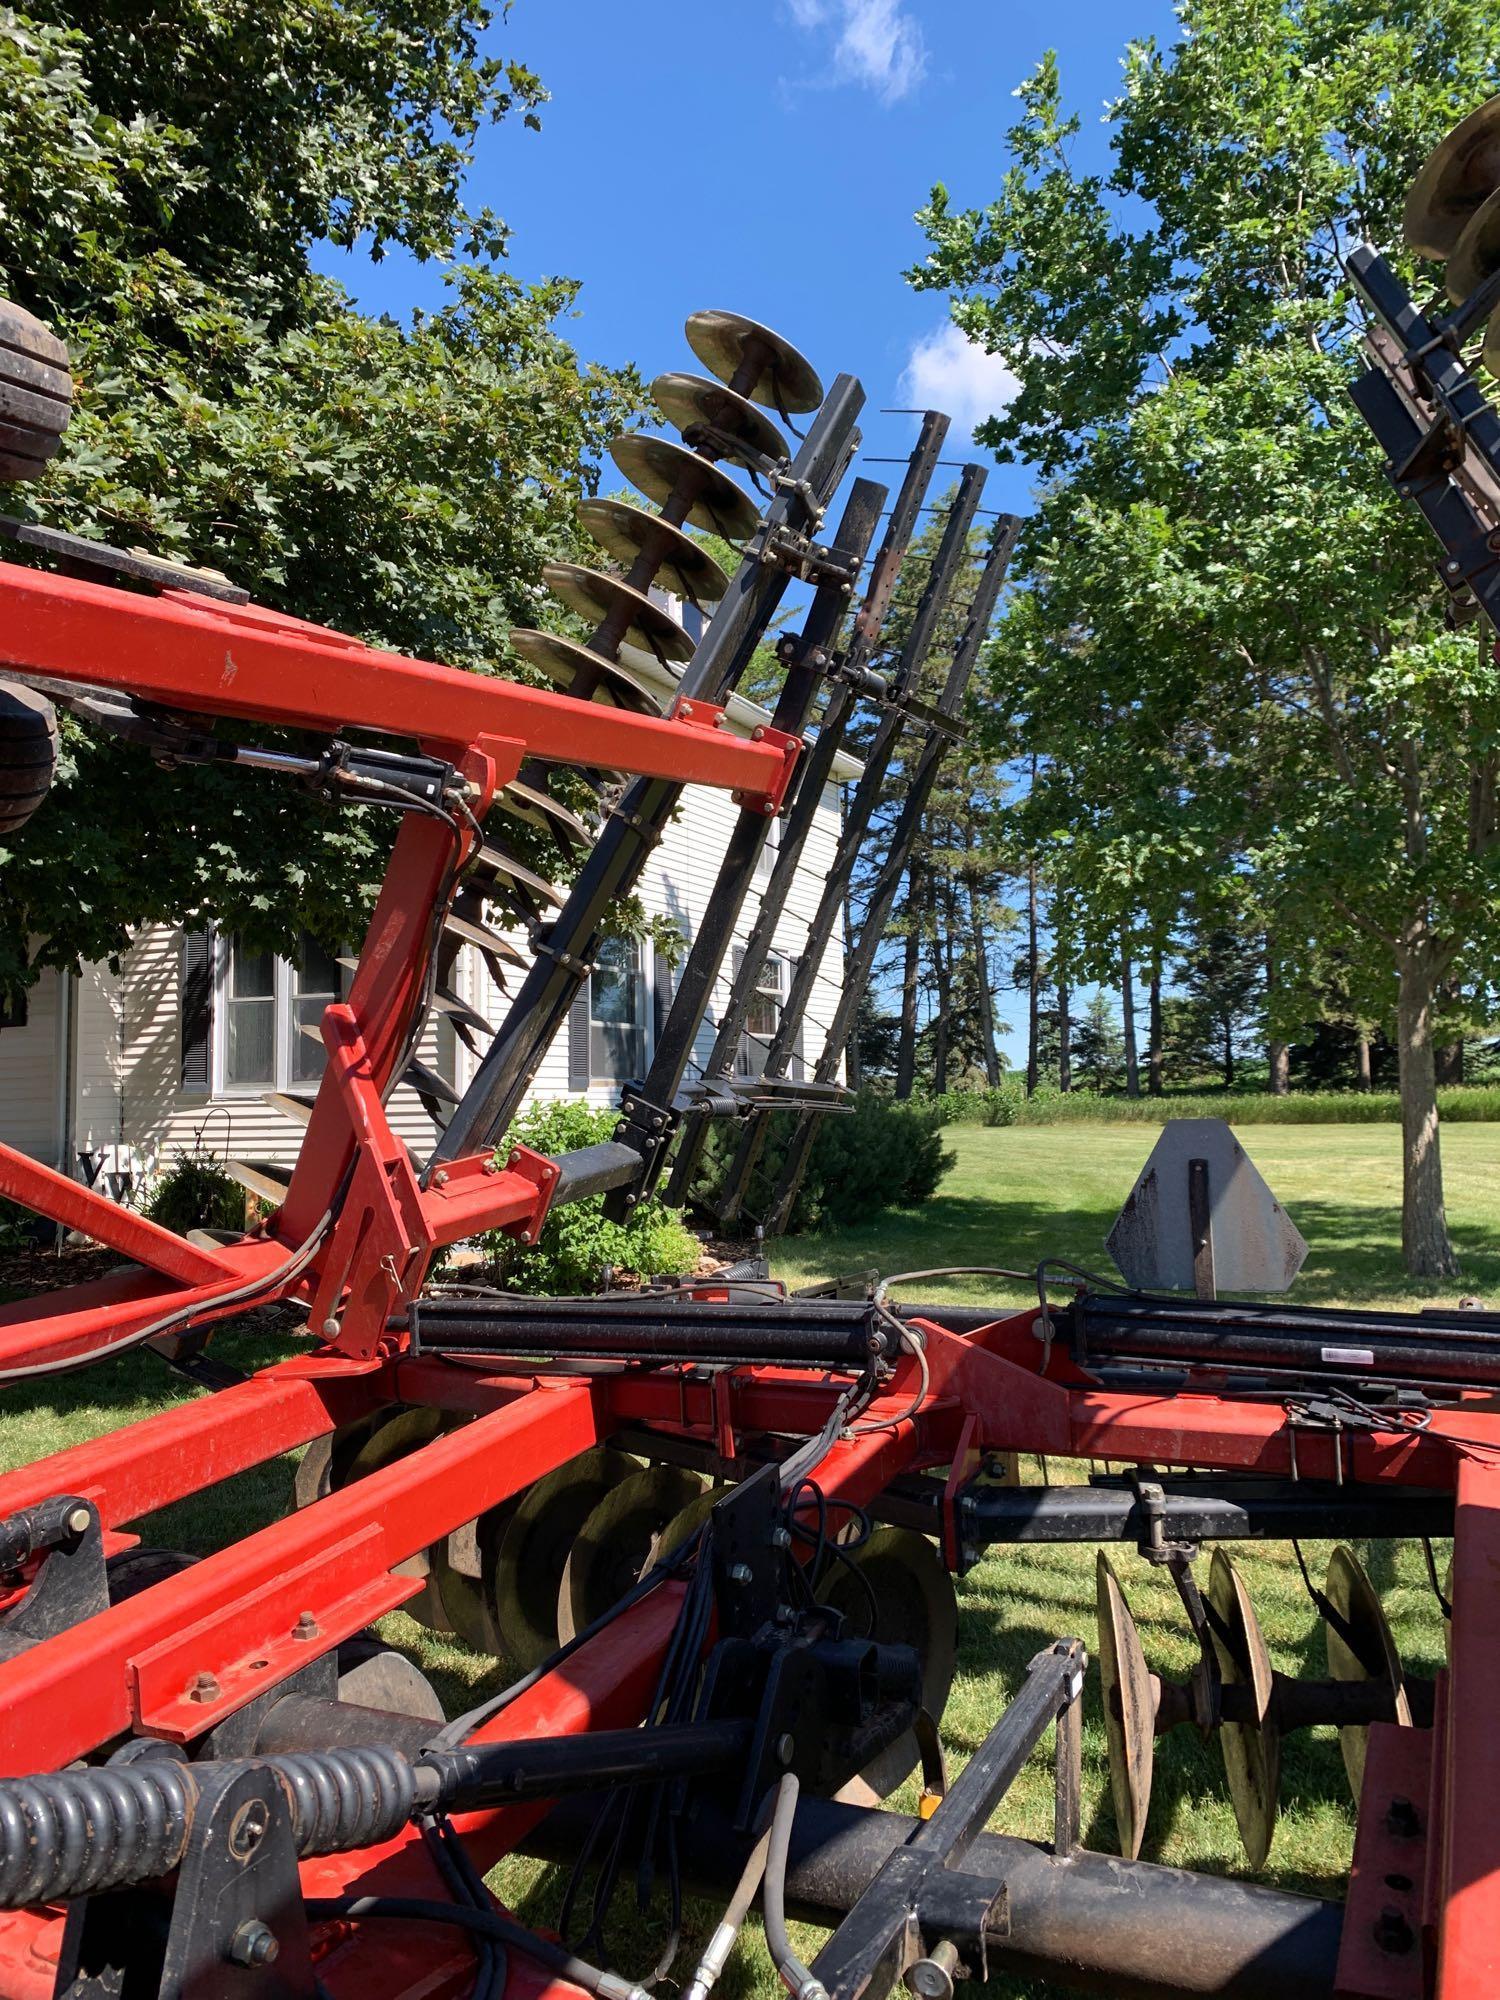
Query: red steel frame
237	1614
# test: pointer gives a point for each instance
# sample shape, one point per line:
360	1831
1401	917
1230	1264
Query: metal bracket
781	547
647	1129
70	1585
238	1927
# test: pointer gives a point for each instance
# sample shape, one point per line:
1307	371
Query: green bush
194	1192
881	1154
978	1107
577	1241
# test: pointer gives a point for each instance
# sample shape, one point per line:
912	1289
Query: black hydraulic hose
489	1923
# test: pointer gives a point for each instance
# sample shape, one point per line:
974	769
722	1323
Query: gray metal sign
1200	1218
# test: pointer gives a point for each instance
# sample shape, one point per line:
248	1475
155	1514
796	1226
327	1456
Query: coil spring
70	1833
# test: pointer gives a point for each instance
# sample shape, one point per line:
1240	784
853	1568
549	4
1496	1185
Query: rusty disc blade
690	400
524	1569
728	345
625	533
1363	1636
665	472
593	595
564	660
616	1542
1129	1710
1460	173
1251	1750
372	1674
396	1435
539	809
916	1607
1476	253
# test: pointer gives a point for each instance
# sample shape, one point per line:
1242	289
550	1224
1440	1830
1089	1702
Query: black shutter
580	1067
661	991
798	1069
197	1011
744	1064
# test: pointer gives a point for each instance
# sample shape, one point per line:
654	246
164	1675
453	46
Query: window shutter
580	1068
197	1008
798	1068
661	992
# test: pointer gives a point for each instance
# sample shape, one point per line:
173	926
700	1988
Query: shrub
881	1154
577	1241
978	1107
194	1192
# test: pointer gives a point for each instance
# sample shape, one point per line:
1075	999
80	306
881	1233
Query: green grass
1013	1196
1467	1104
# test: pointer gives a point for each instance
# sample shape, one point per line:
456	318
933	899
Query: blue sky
768	156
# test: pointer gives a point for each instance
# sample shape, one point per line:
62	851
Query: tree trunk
1278	1054
1033	980
1228	1053
942	966
1064	1032
1450	1065
986	996
1127	1006
1153	1031
1425	1243
906	1047
1363	1059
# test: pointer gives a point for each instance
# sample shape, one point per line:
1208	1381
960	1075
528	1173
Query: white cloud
875	43
947	371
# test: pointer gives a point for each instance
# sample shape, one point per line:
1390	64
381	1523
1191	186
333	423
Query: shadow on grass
1354	1249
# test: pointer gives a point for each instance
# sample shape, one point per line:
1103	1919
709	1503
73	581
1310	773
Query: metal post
649	1120
877	913
813	774
613	867
951	558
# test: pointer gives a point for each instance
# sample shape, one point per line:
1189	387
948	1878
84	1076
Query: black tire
36	394
28	753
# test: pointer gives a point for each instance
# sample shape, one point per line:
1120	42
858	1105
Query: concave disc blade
593	595
1476	253
1252	1750
625	532
686	1523
665	471
1366	1636
616	1542
524	1572
1460	173
690	400
564	661
396	1436
916	1606
725	341
1129	1710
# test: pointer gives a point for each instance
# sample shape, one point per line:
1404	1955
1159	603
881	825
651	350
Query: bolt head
440	1178
741	1573
786	1748
254	1943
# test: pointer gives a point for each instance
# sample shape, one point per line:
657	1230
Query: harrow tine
436	1092
493	864
291	1104
539	809
263	1178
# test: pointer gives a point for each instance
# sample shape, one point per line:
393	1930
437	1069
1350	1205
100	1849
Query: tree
403	482
1098	1044
1220	982
1233	637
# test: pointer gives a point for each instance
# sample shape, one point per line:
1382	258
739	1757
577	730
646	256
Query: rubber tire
36	394
28	753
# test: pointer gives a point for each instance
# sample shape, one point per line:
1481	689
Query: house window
763	1017
617	1012
265	1003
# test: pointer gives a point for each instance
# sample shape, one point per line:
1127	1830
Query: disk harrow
713	1529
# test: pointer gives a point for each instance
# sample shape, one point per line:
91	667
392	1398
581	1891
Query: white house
198	1041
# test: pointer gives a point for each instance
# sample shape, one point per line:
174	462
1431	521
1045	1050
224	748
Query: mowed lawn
1013	1197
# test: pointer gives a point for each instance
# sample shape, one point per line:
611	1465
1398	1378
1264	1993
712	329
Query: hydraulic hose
716	1951
794	1974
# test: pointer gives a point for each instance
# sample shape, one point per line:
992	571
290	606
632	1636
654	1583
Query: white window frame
644	987
284	1027
754	1048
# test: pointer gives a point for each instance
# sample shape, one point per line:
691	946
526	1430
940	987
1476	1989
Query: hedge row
1468	1104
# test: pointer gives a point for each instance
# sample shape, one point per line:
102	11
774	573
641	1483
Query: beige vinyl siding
30	1059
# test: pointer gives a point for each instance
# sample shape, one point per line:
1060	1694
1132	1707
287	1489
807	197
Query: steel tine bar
952	558
862	958
814	773
613	867
649	1119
